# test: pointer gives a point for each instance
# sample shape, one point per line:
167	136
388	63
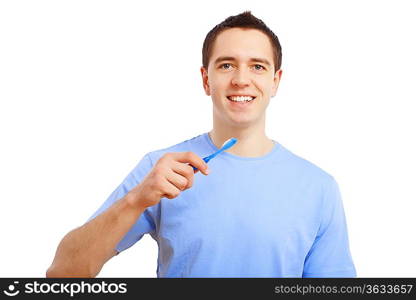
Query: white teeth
241	98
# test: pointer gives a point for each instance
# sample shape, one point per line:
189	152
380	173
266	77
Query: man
261	212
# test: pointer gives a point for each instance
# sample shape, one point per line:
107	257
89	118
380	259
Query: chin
242	123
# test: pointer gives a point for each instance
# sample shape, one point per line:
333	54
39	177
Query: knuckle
175	194
158	181
158	173
189	170
167	156
157	185
184	184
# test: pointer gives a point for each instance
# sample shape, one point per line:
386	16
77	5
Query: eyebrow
253	59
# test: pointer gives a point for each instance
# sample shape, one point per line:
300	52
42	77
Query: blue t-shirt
277	215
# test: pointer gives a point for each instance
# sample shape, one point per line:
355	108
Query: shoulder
305	170
324	187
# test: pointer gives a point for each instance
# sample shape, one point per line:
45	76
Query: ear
276	79
205	83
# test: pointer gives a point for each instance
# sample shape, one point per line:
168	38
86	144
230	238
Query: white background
88	87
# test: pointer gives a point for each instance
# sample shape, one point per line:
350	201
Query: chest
255	215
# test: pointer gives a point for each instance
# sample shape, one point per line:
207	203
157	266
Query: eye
225	66
259	67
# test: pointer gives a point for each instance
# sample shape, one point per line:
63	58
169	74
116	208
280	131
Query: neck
252	140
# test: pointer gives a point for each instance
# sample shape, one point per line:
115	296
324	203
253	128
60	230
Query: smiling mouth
241	99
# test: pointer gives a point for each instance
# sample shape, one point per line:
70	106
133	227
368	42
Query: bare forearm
84	250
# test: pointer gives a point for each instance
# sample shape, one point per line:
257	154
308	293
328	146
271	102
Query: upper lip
241	95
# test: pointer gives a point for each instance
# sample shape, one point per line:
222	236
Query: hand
171	174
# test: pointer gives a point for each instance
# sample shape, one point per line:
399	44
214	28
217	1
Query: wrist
133	199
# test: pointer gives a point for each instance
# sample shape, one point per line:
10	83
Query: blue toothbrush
227	144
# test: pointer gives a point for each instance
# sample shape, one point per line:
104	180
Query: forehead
242	43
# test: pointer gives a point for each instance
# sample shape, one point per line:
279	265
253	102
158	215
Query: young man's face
242	64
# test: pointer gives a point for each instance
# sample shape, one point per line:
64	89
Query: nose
240	78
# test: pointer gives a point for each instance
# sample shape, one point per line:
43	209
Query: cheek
218	86
266	87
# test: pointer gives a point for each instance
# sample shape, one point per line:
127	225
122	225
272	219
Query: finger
170	190
186	171
193	159
177	180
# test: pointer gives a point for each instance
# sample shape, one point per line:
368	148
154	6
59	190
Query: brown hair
243	20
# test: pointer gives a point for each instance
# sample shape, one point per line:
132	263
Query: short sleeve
145	223
330	254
